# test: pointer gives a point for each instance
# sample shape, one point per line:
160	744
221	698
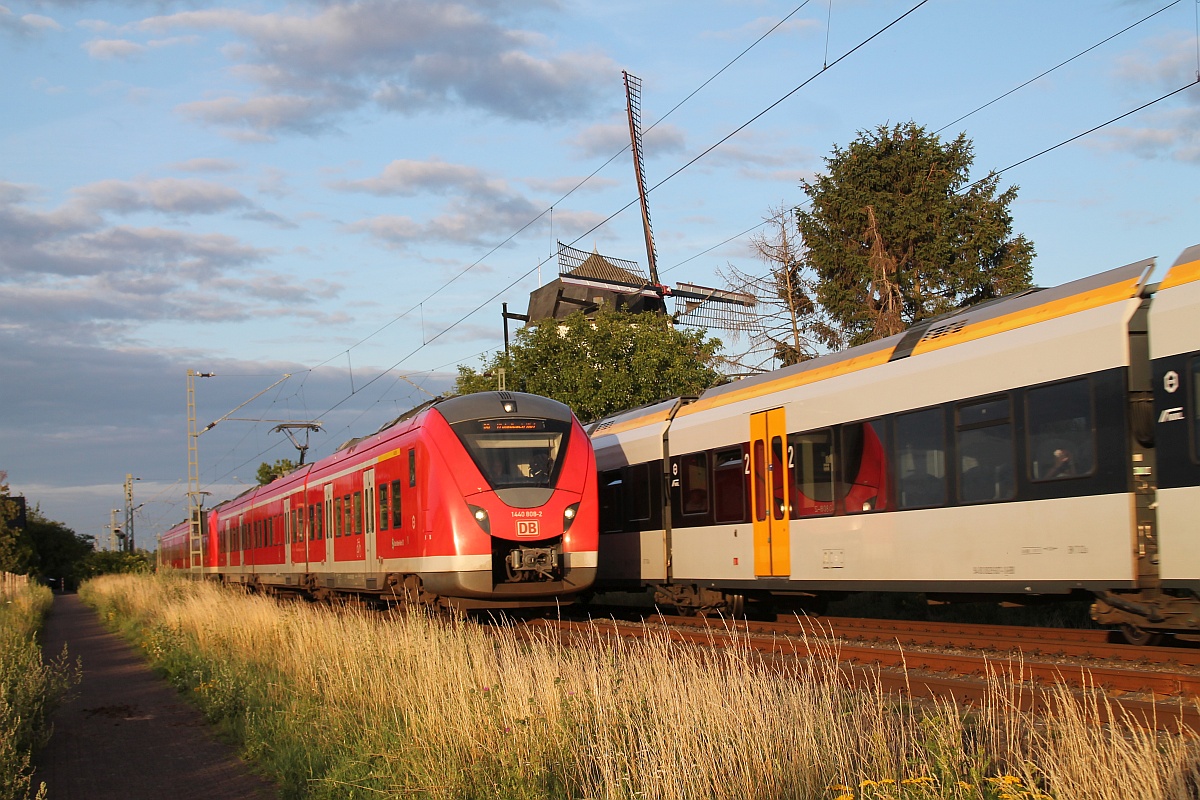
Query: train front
526	480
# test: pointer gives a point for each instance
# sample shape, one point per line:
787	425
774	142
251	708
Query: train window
863	467
515	452
612	508
397	514
637	491
321	521
358	513
1061	431
693	473
338	520
986	469
810	456
920	458
348	519
412	467
385	510
729	486
760	480
778	478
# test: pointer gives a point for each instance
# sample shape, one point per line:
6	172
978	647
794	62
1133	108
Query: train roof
1019	310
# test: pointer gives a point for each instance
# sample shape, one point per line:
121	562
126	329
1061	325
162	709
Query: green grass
338	703
30	687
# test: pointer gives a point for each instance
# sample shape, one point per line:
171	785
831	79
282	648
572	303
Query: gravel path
126	733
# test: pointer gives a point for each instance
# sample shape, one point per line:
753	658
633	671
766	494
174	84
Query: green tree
897	232
269	472
104	562
59	553
602	365
16	553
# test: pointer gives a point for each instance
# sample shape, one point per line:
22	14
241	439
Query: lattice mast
195	530
633	105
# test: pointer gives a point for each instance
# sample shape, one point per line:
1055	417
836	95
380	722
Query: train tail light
481	516
569	516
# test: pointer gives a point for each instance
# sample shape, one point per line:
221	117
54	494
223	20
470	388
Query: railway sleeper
1142	617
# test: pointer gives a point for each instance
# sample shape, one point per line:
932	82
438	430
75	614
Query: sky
345	193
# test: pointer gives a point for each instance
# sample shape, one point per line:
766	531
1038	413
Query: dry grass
340	703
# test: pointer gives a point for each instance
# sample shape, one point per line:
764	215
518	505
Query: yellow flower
920	780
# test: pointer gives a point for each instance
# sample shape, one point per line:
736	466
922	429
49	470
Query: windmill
587	281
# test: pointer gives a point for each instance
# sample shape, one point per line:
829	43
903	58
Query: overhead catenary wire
526	274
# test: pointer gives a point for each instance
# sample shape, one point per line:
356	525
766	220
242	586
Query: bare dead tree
886	300
789	325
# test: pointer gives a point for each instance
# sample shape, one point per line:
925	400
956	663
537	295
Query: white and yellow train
1047	443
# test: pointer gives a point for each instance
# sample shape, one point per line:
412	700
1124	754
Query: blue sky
329	189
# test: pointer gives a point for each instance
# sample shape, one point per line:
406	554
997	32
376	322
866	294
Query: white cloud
165	195
107	49
1169	131
206	165
403	55
406	177
26	25
603	139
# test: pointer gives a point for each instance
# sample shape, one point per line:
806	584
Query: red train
482	500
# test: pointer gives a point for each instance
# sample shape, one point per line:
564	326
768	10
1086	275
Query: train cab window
986	469
693	475
1061	431
358	513
863	467
637	492
515	453
338	521
385	509
612	508
810	456
729	486
920	458
397	514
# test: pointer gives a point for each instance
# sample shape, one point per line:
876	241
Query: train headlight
481	516
569	516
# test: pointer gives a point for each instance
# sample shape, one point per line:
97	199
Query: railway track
1155	687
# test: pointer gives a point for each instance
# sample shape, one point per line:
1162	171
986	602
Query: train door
288	532
370	517
329	525
769	486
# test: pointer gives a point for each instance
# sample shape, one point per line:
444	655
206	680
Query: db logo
527	527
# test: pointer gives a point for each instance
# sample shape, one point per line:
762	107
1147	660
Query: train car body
483	500
1007	449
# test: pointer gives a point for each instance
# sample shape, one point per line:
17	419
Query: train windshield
515	452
